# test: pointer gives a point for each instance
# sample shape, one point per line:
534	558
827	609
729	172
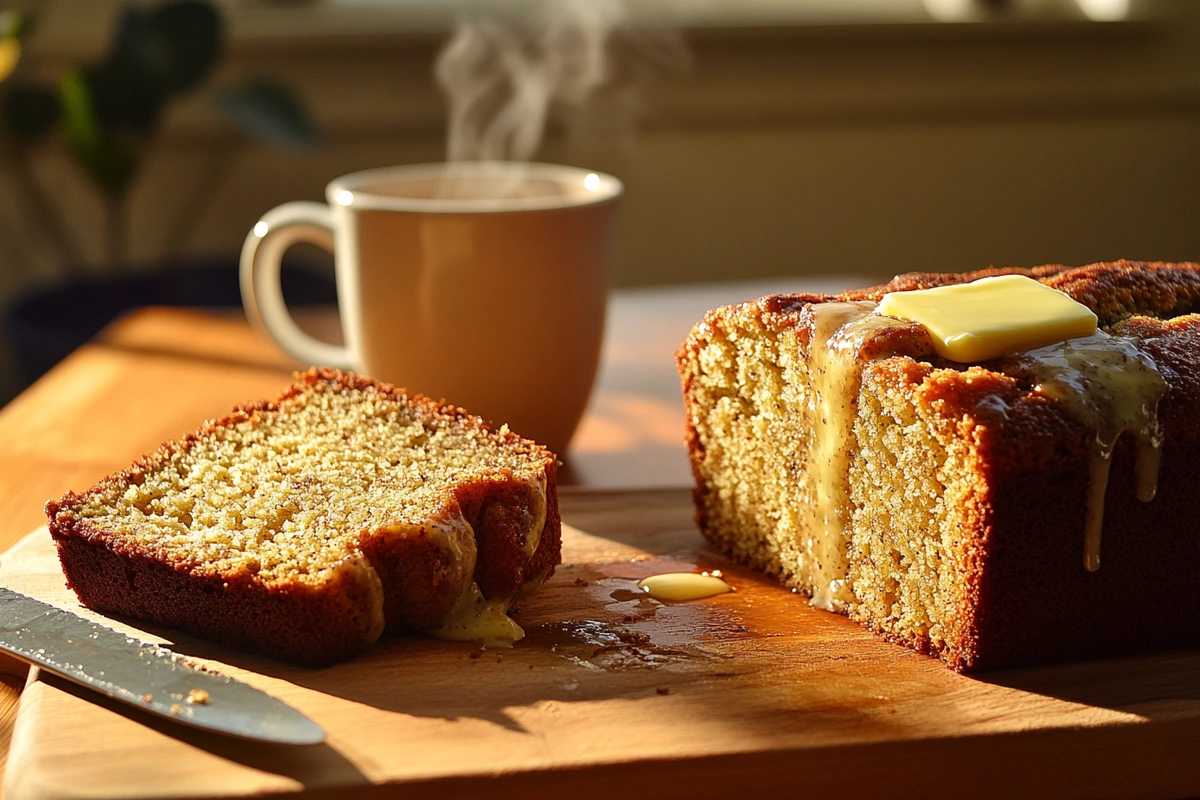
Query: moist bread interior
942	461
286	495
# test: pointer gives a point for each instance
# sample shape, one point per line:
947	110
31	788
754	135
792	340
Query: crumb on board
175	709
633	637
146	698
197	696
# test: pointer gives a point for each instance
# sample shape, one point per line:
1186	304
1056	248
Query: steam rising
507	78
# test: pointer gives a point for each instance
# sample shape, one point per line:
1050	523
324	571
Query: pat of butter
990	317
681	586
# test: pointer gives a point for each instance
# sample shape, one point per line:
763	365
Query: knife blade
146	676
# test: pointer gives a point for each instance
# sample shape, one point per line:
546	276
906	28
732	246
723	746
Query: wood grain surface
612	693
158	373
801	686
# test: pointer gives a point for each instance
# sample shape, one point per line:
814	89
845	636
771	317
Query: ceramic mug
481	283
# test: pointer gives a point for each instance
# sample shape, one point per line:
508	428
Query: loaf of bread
305	527
962	509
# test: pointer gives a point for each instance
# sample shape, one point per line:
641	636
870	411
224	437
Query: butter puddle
678	587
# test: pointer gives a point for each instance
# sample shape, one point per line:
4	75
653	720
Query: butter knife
145	676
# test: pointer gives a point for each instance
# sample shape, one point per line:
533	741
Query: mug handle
262	292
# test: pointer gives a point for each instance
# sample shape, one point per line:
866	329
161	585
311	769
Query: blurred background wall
768	139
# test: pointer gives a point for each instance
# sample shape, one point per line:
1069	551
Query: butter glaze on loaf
964	522
304	527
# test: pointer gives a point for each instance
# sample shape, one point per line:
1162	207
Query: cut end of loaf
961	530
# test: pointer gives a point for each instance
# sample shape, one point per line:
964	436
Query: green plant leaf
75	100
268	111
172	47
30	111
109	159
13	24
112	165
193	31
10	55
123	98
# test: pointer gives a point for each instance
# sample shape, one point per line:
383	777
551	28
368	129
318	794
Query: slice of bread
304	527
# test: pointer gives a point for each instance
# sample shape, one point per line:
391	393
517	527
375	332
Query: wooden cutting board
612	694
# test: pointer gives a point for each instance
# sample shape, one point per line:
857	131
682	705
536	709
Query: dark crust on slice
1027	598
503	508
297	623
293	622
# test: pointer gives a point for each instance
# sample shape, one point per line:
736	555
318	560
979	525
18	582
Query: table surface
157	373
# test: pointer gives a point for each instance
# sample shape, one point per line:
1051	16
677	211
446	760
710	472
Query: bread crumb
198	696
146	698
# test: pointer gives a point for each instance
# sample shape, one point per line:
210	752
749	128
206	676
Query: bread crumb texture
285	491
944	463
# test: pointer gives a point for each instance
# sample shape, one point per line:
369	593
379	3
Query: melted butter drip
477	619
677	587
839	332
1109	385
536	516
474	618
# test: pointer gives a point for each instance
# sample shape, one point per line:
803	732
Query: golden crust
1024	597
316	625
